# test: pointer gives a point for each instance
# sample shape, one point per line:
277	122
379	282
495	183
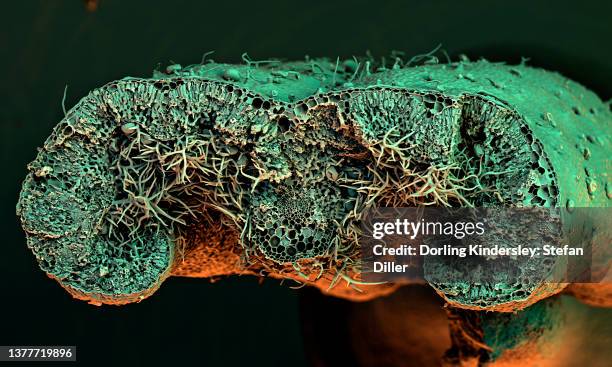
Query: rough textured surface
413	325
265	168
481	338
555	332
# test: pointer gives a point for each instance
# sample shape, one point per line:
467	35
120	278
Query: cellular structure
266	168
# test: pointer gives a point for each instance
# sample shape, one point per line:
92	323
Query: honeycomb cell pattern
284	157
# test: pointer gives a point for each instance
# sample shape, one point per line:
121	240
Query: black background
47	44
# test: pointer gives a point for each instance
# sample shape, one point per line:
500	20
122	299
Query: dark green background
48	44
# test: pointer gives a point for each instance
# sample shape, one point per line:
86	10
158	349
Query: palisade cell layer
266	168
